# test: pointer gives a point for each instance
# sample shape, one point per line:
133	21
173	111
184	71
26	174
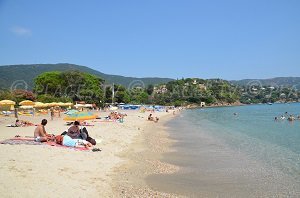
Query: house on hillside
202	104
202	87
161	89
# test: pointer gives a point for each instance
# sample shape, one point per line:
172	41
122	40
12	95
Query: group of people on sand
116	116
21	123
290	117
151	118
74	137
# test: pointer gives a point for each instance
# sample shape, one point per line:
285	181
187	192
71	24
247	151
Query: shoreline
142	159
144	170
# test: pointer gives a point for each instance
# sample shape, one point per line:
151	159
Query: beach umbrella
70	112
26	107
79	116
52	104
61	104
26	103
8	103
68	104
39	105
79	105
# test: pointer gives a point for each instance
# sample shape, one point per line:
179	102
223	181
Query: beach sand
143	159
45	171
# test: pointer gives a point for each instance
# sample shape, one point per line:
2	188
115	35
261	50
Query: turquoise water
254	131
234	150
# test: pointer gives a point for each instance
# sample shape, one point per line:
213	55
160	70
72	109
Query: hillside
18	73
275	82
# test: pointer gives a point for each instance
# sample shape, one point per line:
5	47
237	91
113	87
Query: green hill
18	75
275	82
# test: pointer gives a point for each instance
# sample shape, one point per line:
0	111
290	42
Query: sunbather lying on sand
68	141
151	118
21	123
116	116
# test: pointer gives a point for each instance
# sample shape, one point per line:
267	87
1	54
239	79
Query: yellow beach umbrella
39	105
52	104
26	107
61	104
70	104
8	103
67	104
26	103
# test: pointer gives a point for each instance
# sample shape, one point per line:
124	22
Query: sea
239	151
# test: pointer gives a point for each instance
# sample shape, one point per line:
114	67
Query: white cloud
21	31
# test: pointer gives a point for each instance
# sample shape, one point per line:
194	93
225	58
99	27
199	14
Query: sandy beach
45	171
143	159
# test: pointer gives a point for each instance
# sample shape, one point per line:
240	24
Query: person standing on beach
40	134
59	109
16	113
52	113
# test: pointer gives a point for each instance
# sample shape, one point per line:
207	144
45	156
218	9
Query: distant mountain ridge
11	75
16	75
275	82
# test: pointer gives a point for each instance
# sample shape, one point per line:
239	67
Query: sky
228	39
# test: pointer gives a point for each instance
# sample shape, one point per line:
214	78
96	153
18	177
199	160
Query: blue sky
229	39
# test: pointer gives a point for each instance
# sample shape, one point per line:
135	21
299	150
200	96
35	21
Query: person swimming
282	117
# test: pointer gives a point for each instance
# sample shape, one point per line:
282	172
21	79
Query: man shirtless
40	134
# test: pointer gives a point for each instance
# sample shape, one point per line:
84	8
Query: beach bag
83	135
88	138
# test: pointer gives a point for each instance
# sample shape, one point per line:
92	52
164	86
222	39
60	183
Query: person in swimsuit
40	134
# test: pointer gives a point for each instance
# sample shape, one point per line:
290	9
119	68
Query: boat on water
270	103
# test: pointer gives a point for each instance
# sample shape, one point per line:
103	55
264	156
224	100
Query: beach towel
18	141
62	146
27	125
104	121
30	141
11	125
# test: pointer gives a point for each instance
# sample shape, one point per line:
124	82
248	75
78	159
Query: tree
121	94
73	85
150	89
49	83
